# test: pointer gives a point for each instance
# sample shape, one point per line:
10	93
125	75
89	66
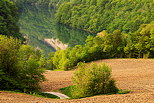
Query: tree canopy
97	15
9	19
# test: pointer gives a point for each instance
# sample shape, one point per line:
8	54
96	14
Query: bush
8	55
8	60
93	80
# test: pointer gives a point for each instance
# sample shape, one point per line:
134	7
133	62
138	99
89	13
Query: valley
38	23
88	51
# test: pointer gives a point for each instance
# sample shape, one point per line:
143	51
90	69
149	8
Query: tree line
117	44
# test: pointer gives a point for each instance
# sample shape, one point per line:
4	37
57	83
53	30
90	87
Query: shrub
8	55
8	59
93	80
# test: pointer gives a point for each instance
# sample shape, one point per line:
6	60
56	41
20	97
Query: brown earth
136	75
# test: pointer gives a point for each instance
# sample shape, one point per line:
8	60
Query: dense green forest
97	15
9	19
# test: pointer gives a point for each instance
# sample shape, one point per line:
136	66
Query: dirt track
136	75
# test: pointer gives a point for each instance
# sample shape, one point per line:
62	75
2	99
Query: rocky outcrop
56	44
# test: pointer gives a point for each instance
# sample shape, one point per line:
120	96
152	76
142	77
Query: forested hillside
117	44
9	19
97	15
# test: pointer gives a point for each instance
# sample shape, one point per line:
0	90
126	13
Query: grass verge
123	91
46	95
67	91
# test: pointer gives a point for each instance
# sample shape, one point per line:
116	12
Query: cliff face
56	44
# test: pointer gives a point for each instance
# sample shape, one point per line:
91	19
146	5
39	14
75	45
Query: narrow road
60	95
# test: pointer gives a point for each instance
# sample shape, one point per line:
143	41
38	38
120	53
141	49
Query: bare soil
136	75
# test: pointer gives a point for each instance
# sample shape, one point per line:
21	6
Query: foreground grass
38	94
68	91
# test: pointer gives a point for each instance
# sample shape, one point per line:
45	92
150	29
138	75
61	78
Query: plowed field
136	75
